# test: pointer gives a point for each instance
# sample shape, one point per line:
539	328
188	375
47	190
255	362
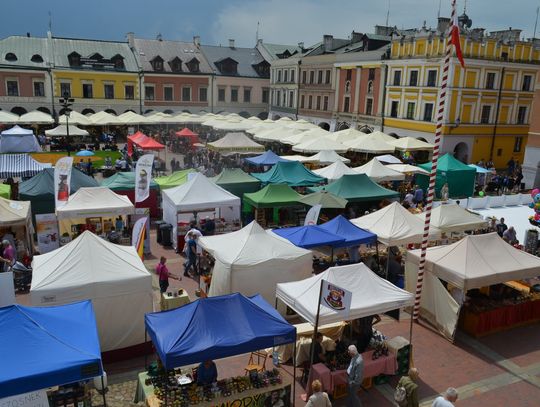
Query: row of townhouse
139	75
390	81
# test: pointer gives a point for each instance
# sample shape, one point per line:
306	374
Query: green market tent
273	196
357	188
459	177
173	180
291	173
237	182
5	191
325	199
40	189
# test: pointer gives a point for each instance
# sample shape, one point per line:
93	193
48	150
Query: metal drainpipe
55	116
298	88
212	93
383	107
497	108
141	75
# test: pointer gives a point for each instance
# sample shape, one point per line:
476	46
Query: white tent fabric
275	134
112	276
253	260
379	135
371	143
198	194
407	168
410	144
335	171
345	136
103	119
388	159
296	157
516	216
75	118
478	261
301	125
395	226
18	140
378	172
62	131
8	118
328	157
236	142
319	144
453	218
36	117
14	213
95	201
304	136
370	294
263	126
234	124
133	118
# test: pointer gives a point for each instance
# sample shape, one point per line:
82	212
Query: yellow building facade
489	101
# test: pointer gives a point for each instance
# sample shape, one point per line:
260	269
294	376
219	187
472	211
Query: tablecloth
173	302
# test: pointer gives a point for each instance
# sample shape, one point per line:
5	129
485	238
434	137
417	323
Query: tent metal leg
145	353
294	375
103	392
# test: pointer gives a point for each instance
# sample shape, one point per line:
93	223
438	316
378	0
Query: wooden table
173	302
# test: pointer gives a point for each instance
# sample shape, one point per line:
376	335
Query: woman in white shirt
319	398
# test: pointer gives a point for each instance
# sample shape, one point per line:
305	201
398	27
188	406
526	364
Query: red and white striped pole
433	174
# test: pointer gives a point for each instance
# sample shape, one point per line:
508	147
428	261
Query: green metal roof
24	49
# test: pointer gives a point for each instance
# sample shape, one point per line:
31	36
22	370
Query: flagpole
433	174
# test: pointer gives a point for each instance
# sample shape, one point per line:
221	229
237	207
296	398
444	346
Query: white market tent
388	159
103	119
410	144
112	276
334	171
253	260
328	157
297	157
95	201
36	117
235	143
347	135
263	126
17	216
18	140
453	218
371	144
407	168
370	294
301	125
62	131
395	226
275	134
319	144
75	118
130	118
8	118
378	172
201	195
304	136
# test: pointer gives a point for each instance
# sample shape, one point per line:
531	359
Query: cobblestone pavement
118	395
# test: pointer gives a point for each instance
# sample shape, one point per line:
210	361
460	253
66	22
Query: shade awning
310	236
378	172
352	234
267	158
96	201
62	131
291	173
357	188
19	165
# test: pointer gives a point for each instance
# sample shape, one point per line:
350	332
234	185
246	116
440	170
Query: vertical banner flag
336	298
139	230
62	181
313	215
143	176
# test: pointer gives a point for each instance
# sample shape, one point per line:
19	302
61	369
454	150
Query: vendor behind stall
206	373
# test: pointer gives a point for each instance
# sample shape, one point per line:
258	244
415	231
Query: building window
302	101
278	98
87	91
522	115
279	75
348	76
12	88
304	76
394	108
108	91
526	86
325	103
221	95
319	77
428	112
265	93
186	94
318	103
310	102
311	76
203	94
432	78
410	110
284	101
10	56
157	64
234	94
168	93
247	95
370	87
291	98
486	112
327	77
490	80
129	92
517	144
39	89
413	79
149	93
371	74
292	75
369	106
65	89
346	104
285	75
397	78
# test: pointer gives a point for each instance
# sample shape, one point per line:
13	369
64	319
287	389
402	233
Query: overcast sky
280	21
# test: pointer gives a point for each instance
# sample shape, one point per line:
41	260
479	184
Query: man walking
448	400
191	254
355	373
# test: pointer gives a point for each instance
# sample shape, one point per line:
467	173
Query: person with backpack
406	393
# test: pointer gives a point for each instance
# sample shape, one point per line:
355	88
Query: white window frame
18	86
199	94
129	84
392	77
87	82
365	106
41	80
108	83
526	121
150	85
66	82
424	111
168	86
190	93
250	94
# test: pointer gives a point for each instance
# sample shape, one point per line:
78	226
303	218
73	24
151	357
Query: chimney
259	41
197	41
301	45
327	42
442	24
159	37
231	43
131	39
28	34
356	37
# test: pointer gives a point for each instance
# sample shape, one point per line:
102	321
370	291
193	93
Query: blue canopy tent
267	158
310	236
353	235
195	332
47	346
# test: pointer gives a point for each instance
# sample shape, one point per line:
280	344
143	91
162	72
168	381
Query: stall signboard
32	399
275	397
139	232
143	177
47	232
336	298
62	181
143	213
313	215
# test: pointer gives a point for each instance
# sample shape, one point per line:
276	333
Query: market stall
237	182
357	188
199	197
177	336
175	179
18	140
188	134
334	171
277	198
235	143
452	218
16	220
253	260
379	172
112	276
469	267
291	173
309	236
38	352
325	199
267	158
93	209
19	165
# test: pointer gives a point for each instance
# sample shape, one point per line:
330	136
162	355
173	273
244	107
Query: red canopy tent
134	138
149	144
185	132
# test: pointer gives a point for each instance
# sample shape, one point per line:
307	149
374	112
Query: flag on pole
454	39
313	215
143	177
62	181
139	231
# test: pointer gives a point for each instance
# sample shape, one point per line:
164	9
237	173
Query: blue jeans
191	263
352	399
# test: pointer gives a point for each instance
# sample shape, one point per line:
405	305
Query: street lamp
66	102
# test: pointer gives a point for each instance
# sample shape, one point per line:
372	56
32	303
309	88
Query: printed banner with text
143	176
336	298
62	181
137	238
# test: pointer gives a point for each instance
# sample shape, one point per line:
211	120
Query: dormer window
262	69
74	59
96	56
227	66
176	64
193	65
157	64
118	61
36	58
11	57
